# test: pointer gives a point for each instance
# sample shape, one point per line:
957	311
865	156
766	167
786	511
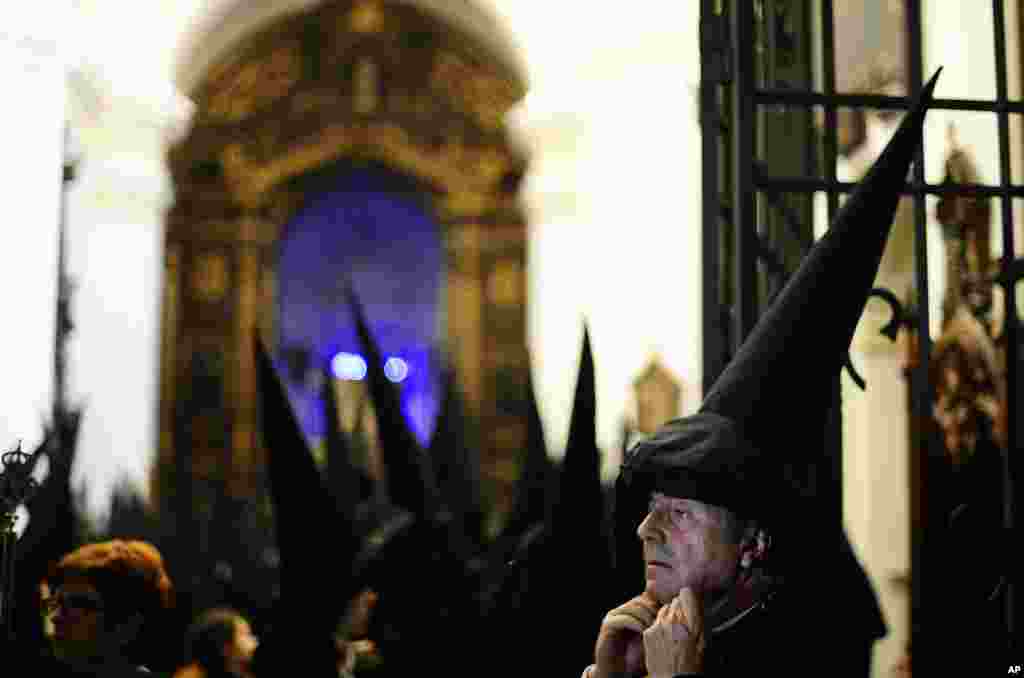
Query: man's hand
675	642
620	648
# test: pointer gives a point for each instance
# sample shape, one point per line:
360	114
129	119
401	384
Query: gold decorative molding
506	284
245	88
366	16
483	95
470	174
169	346
366	90
245	229
658	393
209	278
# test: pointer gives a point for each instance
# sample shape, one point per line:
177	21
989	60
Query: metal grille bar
1010	476
744	145
816	185
785	97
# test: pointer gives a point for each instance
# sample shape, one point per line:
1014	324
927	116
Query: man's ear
754	547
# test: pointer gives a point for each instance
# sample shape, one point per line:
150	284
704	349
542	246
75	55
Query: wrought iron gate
757	225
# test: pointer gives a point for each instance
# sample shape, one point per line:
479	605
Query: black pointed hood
731	453
301	501
455	459
576	533
536	487
410	482
345	480
580	478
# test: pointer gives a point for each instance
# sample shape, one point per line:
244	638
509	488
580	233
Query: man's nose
650	528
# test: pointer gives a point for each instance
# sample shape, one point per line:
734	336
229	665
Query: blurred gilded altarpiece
354	81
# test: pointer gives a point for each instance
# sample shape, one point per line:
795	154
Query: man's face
686	544
75	615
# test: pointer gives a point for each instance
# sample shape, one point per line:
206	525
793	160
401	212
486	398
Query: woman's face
74	620
239	652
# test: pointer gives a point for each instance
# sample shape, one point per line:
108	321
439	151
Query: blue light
349	366
396	369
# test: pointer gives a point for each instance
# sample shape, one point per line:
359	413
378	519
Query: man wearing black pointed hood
743	574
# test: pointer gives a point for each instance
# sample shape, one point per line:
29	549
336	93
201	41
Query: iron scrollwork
900	317
16	486
1011	274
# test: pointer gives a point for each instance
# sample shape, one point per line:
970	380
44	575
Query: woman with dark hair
220	643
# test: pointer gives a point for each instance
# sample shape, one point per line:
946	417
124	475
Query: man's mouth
657	563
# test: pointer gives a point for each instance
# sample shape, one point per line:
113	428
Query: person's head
358	614
101	597
221	641
688	543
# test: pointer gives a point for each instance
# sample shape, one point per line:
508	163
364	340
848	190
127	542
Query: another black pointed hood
536	486
731	453
410	480
580	479
308	570
345	480
453	451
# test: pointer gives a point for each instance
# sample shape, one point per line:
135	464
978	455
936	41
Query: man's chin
661	591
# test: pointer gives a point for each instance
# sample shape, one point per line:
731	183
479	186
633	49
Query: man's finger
648	601
634	609
624	622
629	616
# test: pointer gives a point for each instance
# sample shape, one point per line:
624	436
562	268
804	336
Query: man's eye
682	513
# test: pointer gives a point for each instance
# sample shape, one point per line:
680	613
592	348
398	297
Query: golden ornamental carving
465	203
425	106
235	166
366	16
366	87
970	386
505	284
967	234
658	394
209	279
399	101
470	175
320	100
482	95
491	165
241	90
967	369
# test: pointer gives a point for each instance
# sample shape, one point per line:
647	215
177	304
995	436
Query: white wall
32	129
124	112
615	197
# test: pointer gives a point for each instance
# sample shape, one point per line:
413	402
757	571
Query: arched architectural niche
393	83
225	22
376	226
